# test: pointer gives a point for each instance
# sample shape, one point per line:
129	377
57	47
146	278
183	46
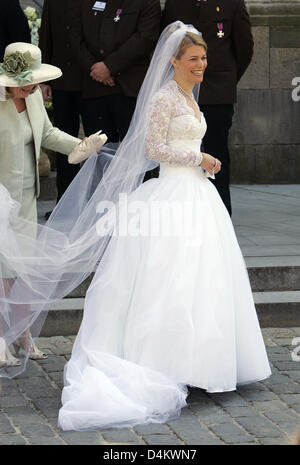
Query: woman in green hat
24	129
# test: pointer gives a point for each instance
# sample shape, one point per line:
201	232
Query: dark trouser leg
96	114
122	108
154	173
66	109
112	114
215	142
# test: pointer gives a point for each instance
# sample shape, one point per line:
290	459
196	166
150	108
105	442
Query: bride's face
191	65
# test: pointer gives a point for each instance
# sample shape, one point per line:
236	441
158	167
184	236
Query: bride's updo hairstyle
189	39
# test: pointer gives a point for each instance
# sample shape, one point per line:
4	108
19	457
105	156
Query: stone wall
265	136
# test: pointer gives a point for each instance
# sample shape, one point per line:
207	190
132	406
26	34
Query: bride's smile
189	68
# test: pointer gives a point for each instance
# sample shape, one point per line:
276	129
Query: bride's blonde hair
189	39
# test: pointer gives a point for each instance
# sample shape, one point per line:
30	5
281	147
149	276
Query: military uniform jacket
124	45
55	43
228	55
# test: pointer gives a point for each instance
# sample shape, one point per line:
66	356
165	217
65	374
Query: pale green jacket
12	142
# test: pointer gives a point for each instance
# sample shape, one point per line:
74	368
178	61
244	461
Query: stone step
265	273
278	309
64	317
274	273
274	309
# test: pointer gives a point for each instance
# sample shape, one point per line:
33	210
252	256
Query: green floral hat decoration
22	65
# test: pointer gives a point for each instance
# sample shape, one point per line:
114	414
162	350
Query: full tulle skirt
170	305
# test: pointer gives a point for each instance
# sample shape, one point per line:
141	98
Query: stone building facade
265	136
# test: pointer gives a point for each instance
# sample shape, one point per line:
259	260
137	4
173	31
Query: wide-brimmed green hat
22	65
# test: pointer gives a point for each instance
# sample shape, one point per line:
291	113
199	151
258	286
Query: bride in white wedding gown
170	304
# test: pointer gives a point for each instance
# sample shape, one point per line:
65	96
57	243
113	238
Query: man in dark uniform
225	26
113	41
64	92
13	25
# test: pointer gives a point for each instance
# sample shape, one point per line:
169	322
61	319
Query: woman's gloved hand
87	147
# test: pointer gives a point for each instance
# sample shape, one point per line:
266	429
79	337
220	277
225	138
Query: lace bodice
174	133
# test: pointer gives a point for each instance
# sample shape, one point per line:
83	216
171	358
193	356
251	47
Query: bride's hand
210	164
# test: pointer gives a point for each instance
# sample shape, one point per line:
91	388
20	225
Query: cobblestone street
264	147
266	412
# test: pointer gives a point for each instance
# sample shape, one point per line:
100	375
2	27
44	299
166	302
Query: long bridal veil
36	271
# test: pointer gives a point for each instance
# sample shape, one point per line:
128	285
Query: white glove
87	147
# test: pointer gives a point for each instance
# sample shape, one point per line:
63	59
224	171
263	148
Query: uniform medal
117	17
220	32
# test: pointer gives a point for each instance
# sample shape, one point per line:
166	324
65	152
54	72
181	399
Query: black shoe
47	215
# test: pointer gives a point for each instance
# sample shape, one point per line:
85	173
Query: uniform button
101	51
68	28
69	63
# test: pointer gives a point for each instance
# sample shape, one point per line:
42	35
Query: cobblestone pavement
266	412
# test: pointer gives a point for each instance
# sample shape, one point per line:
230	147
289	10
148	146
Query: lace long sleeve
156	135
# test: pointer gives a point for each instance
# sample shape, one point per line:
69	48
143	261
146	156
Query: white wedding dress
170	304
